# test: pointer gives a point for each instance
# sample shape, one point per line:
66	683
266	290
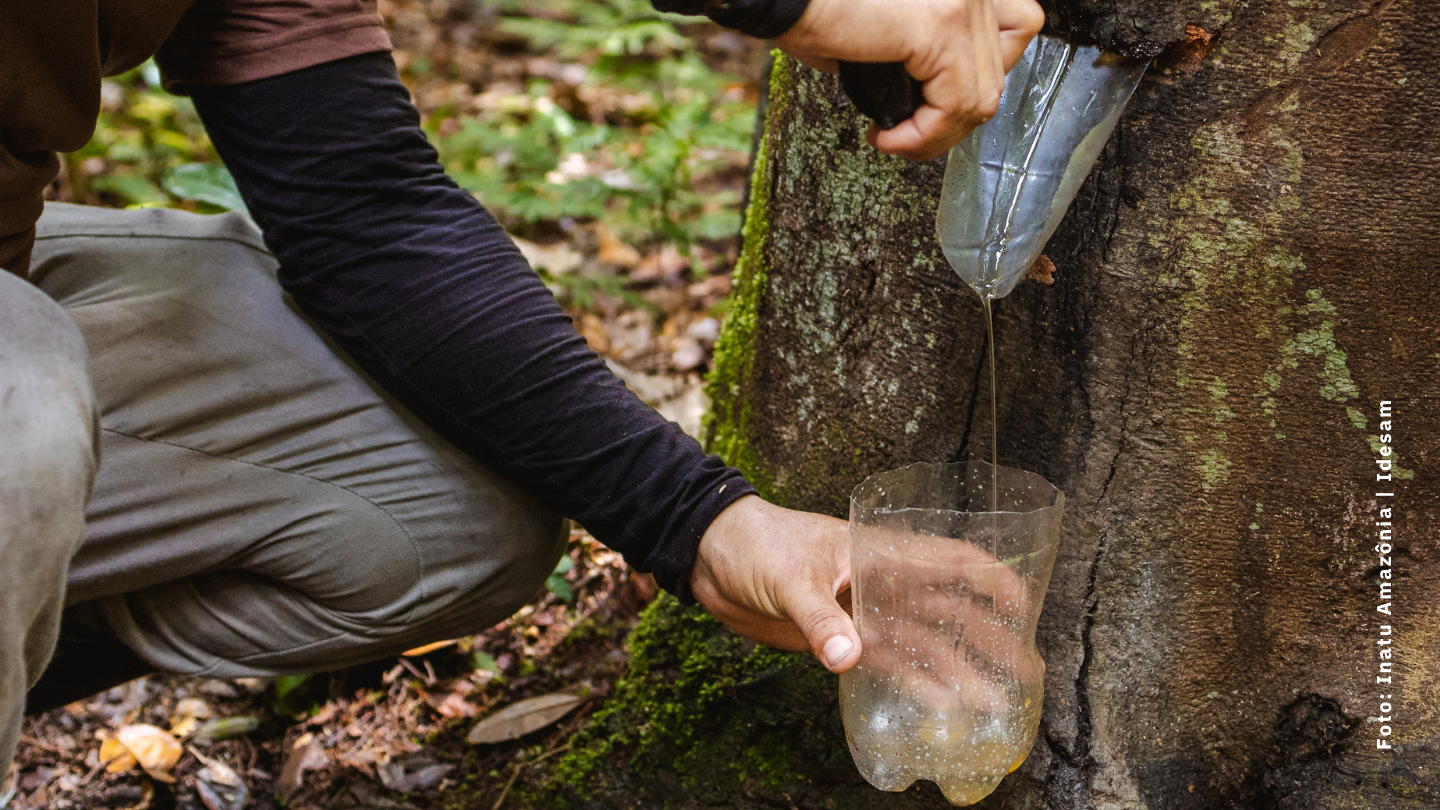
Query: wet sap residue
966	754
950	685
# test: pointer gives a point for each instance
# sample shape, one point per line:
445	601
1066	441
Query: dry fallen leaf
153	747
117	755
559	258
455	705
662	265
415	773
218	785
188	714
305	755
217	771
518	719
614	251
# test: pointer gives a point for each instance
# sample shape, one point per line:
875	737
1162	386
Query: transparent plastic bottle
1008	184
946	596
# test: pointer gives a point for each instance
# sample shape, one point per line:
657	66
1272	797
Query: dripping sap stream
994	432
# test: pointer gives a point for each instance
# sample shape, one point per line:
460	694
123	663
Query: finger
1018	21
935	632
963	96
987	72
987	576
872	134
944	565
929	133
939	688
827	628
778	633
993	49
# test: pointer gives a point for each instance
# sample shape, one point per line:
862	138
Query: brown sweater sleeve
221	42
53	54
49	98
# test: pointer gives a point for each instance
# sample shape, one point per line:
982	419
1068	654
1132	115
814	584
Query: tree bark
1241	282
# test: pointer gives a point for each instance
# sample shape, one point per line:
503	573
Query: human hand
960	49
772	575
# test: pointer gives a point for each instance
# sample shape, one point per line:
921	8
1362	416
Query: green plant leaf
482	661
557	583
206	182
132	188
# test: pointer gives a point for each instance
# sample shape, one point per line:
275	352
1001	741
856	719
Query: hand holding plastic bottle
781	577
960	49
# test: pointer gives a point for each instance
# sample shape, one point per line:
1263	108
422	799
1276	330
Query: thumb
827	628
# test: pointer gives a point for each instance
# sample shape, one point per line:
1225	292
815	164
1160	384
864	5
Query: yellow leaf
153	747
115	753
188	714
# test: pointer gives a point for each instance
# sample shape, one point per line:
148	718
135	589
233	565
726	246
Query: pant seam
414	547
261	249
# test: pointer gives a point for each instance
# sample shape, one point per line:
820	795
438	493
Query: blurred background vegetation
610	139
613	144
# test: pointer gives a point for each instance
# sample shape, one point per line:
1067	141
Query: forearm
430	296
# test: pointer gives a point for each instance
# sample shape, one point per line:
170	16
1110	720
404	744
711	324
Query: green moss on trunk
726	422
702	713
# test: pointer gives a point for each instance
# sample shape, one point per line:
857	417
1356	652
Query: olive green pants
261	506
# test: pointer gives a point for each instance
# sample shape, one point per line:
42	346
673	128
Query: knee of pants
462	535
369	583
47	408
477	553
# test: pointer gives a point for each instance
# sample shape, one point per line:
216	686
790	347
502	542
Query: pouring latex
950	562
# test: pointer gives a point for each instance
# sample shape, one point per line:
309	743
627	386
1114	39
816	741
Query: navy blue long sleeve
764	19
425	290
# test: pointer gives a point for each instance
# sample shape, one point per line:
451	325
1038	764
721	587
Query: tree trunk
1241	282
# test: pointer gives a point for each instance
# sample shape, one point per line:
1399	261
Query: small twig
589	578
28	740
547	755
95	770
412	669
515	774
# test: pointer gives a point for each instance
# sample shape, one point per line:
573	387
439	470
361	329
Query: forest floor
612	142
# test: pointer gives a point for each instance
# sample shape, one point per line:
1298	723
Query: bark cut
1247	274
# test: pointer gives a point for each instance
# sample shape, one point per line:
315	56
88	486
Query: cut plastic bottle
946	596
1008	184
